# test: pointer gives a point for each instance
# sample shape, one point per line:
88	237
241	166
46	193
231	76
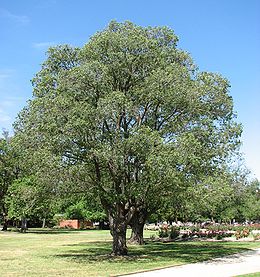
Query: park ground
246	263
87	253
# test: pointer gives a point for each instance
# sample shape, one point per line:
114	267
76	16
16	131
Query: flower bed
217	232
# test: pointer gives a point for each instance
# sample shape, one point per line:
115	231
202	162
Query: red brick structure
70	223
76	224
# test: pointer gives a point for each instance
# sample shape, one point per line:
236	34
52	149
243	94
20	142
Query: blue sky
222	36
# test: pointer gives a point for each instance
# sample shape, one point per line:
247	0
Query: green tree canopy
28	199
134	113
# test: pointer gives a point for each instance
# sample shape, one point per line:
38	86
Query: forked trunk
119	216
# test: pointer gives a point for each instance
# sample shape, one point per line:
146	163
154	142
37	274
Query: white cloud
4	118
45	4
5	74
21	19
43	45
12	97
5	77
9	101
8	109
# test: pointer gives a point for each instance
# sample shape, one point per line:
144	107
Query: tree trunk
24	225
101	225
119	216
118	228
119	242
137	236
43	223
137	224
5	223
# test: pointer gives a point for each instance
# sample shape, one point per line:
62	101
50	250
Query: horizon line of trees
223	199
236	198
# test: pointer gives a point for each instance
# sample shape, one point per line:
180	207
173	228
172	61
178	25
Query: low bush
242	233
163	232
171	232
174	232
256	236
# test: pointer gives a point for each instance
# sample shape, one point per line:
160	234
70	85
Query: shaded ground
187	252
243	263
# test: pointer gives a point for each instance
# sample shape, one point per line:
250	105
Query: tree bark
118	228
5	223
137	225
43	222
137	236
23	225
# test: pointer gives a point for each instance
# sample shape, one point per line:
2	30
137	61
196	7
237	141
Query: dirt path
243	263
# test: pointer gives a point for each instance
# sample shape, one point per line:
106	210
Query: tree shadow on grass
175	252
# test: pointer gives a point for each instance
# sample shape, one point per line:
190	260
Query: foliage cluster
81	211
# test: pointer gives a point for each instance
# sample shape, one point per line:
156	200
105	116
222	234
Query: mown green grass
87	253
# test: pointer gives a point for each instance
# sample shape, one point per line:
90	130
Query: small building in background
76	224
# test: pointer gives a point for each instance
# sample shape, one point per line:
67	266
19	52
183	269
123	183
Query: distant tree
8	173
85	208
202	199
227	196
251	201
134	113
27	199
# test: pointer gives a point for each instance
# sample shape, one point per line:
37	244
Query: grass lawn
257	274
86	253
